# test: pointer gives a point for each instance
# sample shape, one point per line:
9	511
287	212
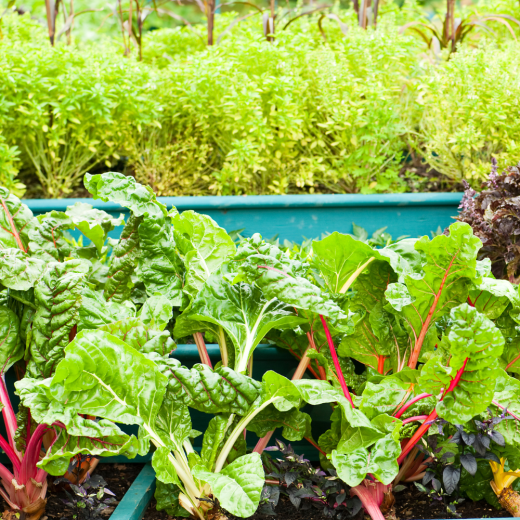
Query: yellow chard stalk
501	484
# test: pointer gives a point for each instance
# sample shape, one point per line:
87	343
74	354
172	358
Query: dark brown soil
119	478
411	504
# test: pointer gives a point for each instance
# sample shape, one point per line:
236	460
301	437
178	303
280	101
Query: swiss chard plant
394	340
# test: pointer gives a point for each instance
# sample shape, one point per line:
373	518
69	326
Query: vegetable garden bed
406	362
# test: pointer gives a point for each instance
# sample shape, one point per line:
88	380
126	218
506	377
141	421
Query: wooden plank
136	500
295	217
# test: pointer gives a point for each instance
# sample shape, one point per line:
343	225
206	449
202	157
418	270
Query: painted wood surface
295	217
136	499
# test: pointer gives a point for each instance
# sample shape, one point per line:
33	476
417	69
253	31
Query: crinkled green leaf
243	312
144	339
377	332
212	391
58	296
205	246
173	424
116	187
380	461
103	376
160	267
11	348
18	270
238	486
449	265
281	277
14	214
317	392
474	337
156	312
491	297
214	437
46	240
123	262
95	311
95	224
111	441
507	394
294	423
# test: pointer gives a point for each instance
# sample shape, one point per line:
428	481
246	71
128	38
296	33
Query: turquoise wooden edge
136	499
268	201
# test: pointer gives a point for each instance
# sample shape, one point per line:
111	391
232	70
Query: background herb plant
306	487
89	500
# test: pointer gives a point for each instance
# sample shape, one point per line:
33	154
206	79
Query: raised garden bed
293	217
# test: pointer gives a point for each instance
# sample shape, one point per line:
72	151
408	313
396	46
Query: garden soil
410	503
119	478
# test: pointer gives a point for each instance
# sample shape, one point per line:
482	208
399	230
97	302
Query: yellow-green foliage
293	115
310	112
470	112
68	110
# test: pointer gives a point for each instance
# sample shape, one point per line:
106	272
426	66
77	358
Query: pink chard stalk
24	488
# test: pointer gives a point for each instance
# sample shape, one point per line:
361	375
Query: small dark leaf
497	437
457	438
450	477
420	487
436	484
447	455
468	438
428	477
290	477
469	463
491	456
341	498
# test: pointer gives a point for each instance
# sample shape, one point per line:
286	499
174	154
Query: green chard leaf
16	219
11	346
474	338
103	376
58	296
46	240
211	391
144	339
160	266
379	336
283	278
238	486
491	297
116	187
449	265
123	262
507	395
95	224
339	258
205	246
243	312
96	312
18	270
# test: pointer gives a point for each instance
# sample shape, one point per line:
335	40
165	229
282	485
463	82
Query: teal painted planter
294	217
136	499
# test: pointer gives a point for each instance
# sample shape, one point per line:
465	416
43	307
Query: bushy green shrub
295	115
9	168
69	110
470	112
